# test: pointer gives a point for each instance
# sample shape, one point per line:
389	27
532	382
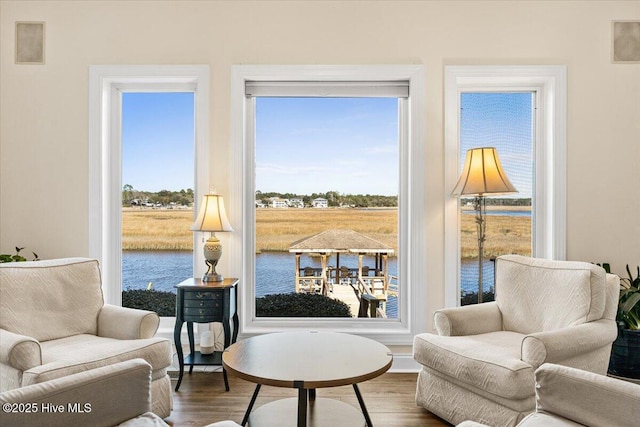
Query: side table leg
176	338
192	347
235	328
251	403
362	406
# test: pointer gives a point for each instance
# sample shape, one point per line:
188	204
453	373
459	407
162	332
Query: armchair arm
587	398
104	396
468	320
126	323
560	344
19	351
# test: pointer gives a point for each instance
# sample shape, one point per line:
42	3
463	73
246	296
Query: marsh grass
157	229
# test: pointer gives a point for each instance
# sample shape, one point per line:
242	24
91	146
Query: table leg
251	403
176	338
302	407
312	394
362	406
226	380
192	347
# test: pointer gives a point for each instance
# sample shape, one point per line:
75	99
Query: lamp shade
211	215
482	174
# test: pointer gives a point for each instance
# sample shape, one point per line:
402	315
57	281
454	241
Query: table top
315	359
197	283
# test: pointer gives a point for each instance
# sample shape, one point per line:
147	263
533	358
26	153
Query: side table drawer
203	295
203	303
202	314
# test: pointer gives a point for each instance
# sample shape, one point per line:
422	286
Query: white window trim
106	84
411	231
550	85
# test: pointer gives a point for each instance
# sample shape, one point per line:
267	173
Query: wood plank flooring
202	400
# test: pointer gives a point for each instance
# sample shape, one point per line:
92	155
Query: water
275	272
164	269
469	276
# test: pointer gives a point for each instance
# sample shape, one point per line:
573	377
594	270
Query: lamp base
214	277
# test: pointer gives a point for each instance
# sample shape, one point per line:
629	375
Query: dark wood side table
198	302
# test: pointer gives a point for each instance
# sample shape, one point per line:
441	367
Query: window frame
549	83
411	231
106	85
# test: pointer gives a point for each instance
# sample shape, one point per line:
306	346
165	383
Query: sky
315	145
158	141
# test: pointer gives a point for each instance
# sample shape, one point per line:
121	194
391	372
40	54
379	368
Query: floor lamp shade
482	174
212	217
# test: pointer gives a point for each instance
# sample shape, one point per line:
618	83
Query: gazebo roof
347	241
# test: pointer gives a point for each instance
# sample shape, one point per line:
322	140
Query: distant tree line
133	197
335	199
495	201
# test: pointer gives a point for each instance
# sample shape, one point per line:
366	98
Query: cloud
288	169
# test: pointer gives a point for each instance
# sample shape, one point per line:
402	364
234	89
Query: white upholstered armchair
481	365
54	323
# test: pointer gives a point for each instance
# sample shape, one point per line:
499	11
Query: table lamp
212	217
482	174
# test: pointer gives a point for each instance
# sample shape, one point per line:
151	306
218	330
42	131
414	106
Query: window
520	111
253	85
157	198
106	87
328	171
505	121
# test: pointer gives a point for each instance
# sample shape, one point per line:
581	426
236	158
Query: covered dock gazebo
337	242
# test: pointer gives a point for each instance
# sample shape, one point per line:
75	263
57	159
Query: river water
275	272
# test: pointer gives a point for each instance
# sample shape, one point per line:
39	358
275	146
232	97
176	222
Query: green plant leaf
630	302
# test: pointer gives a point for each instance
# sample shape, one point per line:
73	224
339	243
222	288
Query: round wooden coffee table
307	361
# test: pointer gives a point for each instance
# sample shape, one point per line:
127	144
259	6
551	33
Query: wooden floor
202	400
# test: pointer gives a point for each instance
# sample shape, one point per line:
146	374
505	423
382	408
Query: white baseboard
404	362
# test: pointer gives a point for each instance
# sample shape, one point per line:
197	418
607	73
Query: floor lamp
482	174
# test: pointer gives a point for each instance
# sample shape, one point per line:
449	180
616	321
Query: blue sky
315	145
307	145
158	141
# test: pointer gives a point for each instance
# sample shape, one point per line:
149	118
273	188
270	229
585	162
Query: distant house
320	203
296	203
277	202
259	204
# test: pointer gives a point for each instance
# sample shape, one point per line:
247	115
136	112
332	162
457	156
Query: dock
346	294
364	289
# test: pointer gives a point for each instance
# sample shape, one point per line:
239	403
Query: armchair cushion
79	353
490	361
65	295
532	294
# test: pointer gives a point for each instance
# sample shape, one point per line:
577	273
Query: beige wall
44	117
